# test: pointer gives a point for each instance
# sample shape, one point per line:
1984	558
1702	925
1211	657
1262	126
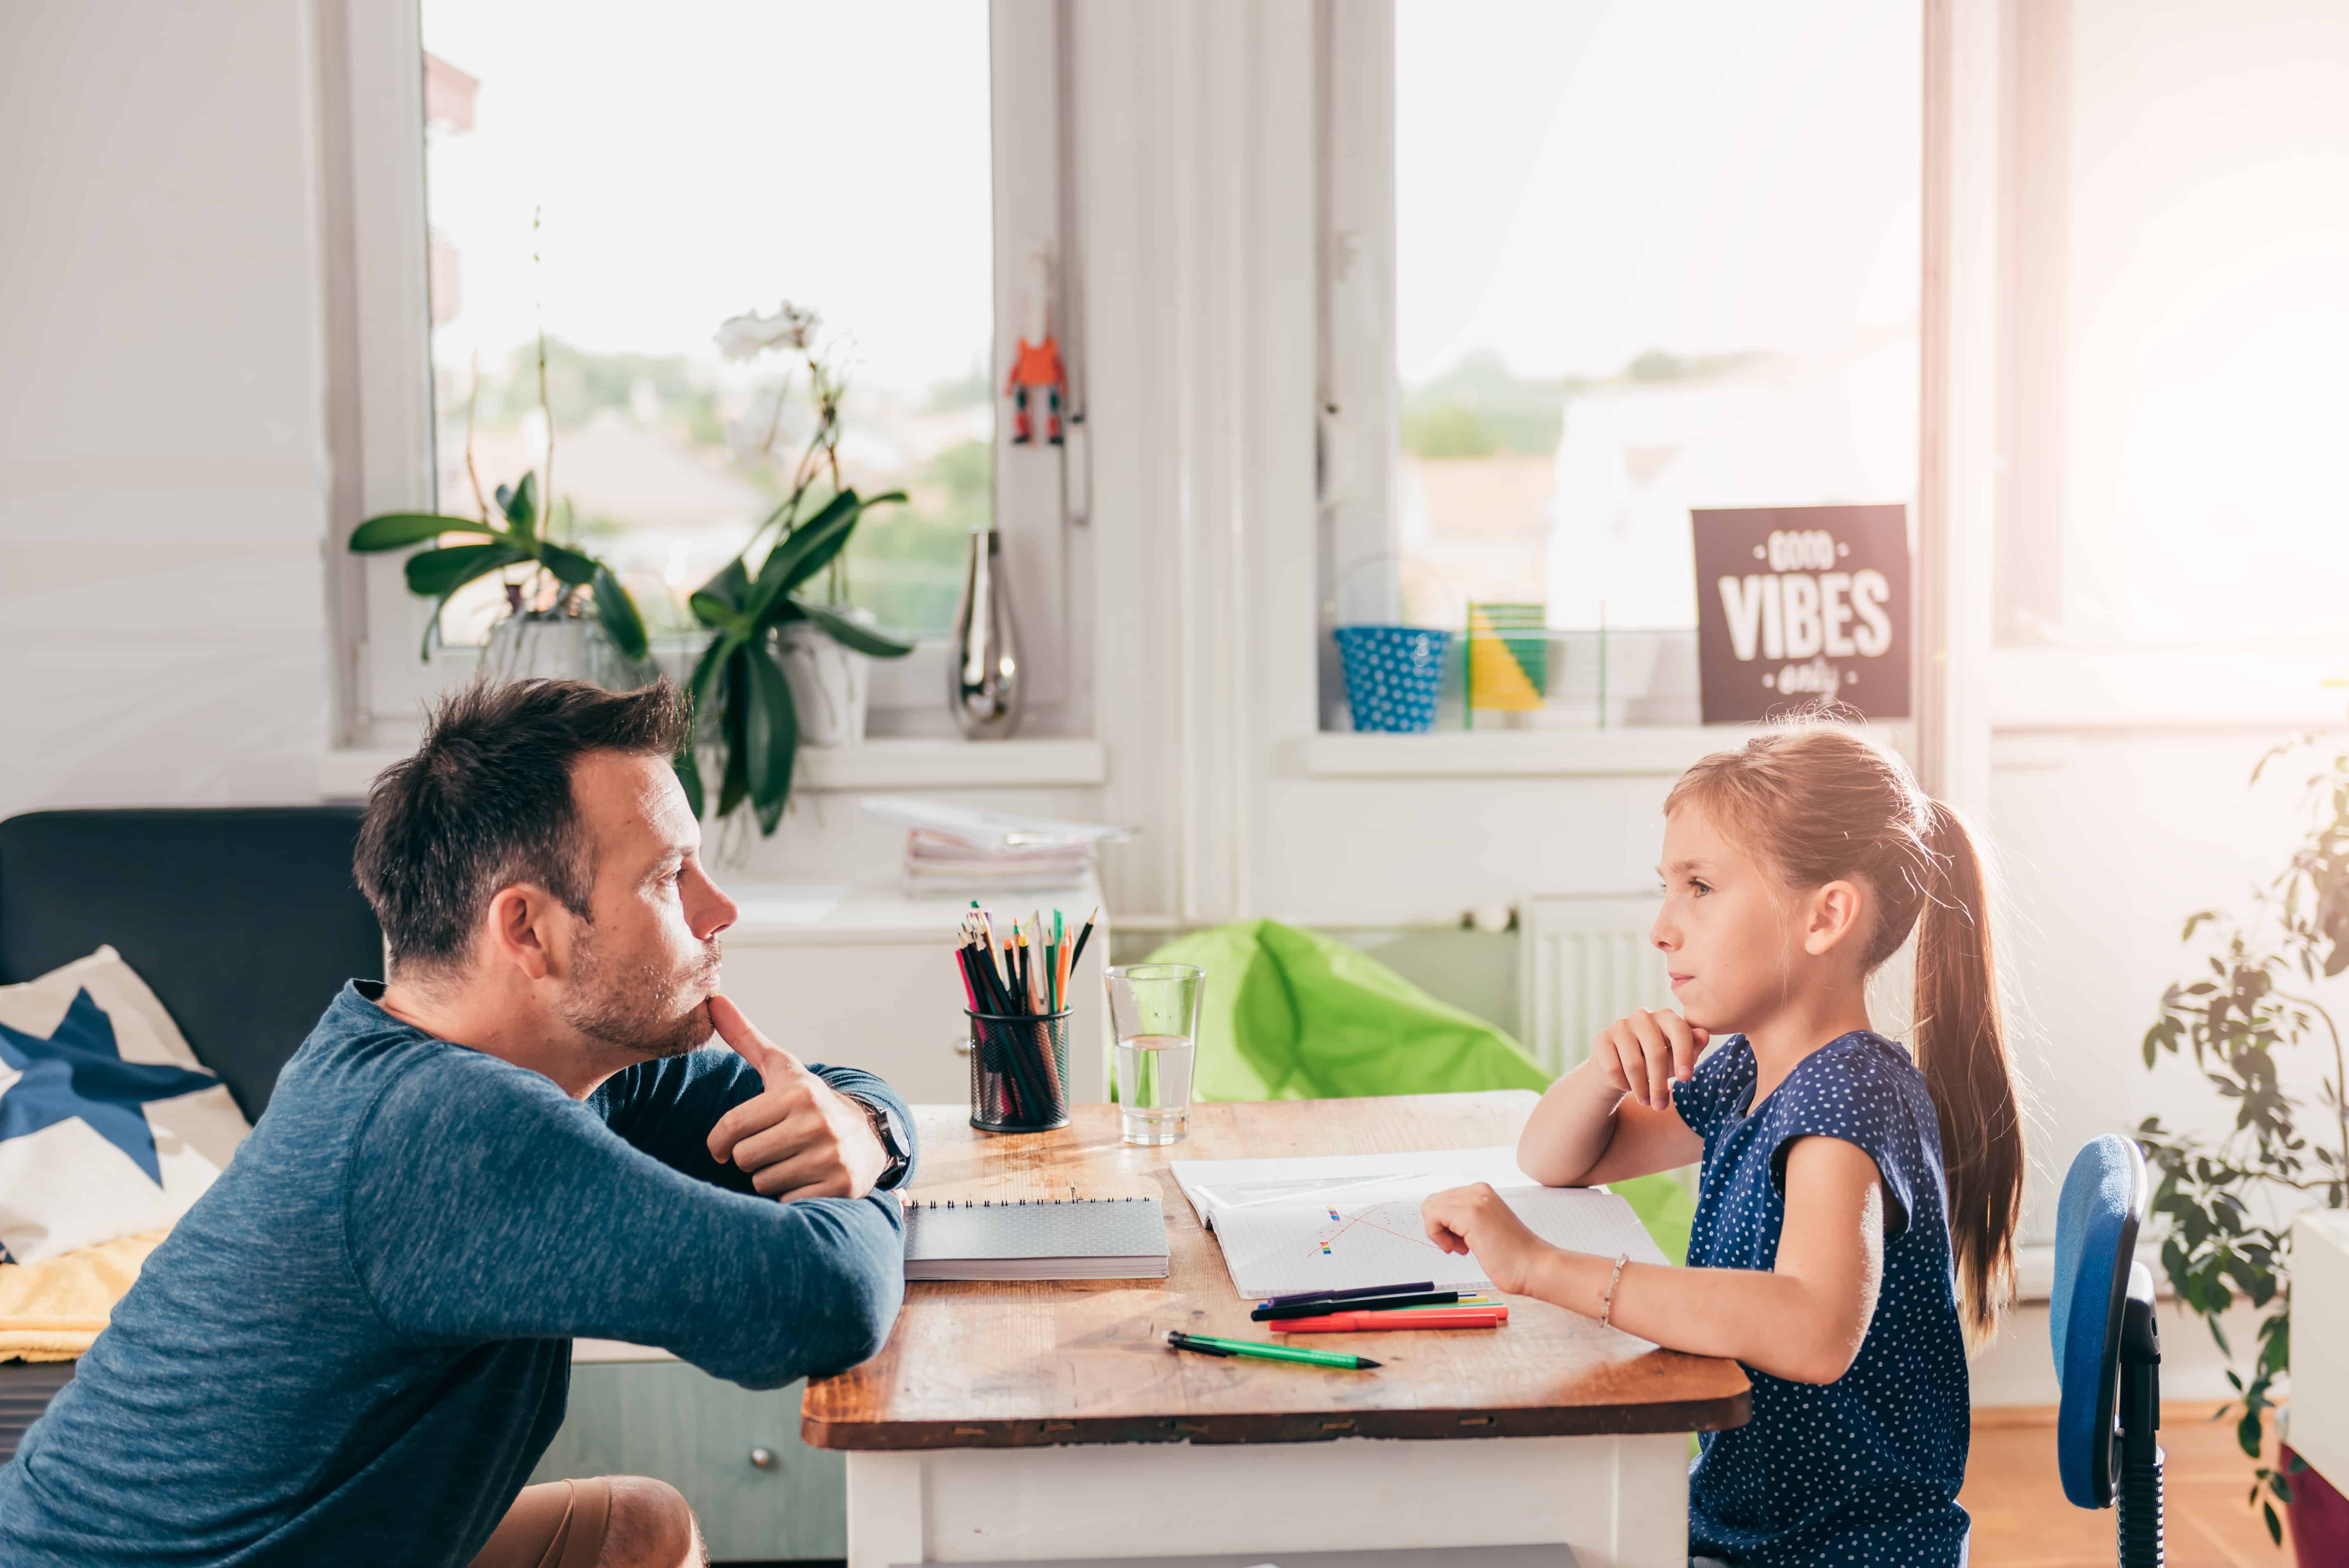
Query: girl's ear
1835	914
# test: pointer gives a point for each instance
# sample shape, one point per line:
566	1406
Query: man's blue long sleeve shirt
356	1345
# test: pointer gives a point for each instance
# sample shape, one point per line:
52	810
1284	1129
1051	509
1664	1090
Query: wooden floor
2021	1519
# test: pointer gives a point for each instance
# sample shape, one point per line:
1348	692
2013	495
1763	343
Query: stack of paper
1351	1222
953	849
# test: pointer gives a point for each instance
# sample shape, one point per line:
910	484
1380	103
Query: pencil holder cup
1019	1072
1392	675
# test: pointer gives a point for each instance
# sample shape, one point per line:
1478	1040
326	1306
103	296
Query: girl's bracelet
1606	1307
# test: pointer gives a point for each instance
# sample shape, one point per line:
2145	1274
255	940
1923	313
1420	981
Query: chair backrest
2096	1219
245	921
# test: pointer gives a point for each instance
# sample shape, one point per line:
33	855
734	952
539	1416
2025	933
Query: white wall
162	464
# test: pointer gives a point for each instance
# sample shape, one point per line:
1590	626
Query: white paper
1213	1185
1372	1234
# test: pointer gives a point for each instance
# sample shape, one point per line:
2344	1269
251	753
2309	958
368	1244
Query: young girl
1856	1221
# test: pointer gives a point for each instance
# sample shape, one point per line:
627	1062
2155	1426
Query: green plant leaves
878	642
771	734
520	503
568	565
438	574
435	573
398	530
617	610
741	699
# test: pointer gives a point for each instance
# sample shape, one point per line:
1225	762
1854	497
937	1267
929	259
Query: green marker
1207	1345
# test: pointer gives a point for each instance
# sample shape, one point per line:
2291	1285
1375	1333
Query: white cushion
67	1182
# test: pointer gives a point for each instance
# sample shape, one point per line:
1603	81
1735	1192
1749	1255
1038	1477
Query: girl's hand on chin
1645	1054
1473	1219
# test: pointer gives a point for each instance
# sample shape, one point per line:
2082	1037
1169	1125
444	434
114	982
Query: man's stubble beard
634	1007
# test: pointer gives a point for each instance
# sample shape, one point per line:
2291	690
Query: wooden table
1051	1420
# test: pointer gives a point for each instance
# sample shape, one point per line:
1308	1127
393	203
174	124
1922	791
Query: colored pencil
1209	1346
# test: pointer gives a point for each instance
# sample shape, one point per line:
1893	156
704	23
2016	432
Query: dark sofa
245	921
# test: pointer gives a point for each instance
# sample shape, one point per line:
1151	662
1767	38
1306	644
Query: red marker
1367	1322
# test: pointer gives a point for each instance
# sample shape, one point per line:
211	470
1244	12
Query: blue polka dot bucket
1392	675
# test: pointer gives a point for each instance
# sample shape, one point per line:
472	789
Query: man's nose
712	911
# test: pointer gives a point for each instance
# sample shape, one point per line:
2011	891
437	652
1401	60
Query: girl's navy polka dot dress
1864	1470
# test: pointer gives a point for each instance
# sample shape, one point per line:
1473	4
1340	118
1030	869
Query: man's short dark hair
486	802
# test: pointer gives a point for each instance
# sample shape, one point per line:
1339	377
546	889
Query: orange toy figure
1036	365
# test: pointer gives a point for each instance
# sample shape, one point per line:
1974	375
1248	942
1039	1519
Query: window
626	199
1645	257
2175	320
624	188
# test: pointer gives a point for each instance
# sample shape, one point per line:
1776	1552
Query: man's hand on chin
798	1137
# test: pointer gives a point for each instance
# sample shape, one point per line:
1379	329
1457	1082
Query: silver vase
984	682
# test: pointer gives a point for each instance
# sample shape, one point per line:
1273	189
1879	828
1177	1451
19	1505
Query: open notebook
1351	1222
1053	1238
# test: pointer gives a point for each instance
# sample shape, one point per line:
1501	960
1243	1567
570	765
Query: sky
1579	182
727	158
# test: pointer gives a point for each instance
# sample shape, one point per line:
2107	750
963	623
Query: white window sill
881	764
1506	753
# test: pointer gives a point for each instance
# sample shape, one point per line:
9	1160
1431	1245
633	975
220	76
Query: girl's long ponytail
1961	1048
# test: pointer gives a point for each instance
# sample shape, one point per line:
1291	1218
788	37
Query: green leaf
397	529
771	734
733	706
853	635
436	573
702	687
568	565
805	550
616	607
522	503
719	601
689	777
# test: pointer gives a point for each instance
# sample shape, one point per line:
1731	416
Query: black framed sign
1799	602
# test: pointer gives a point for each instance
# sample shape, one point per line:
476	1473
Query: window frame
379	381
1975	358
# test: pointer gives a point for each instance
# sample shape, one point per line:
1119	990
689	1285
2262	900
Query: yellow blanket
51	1310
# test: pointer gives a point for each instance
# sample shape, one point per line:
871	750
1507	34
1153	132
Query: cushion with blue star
108	1125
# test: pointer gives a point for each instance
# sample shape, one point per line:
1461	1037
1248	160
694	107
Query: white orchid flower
748	335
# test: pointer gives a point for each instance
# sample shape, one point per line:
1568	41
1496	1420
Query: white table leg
1619	1502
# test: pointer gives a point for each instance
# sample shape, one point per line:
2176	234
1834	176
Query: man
356	1346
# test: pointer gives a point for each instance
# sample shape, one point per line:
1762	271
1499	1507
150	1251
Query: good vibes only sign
1794	603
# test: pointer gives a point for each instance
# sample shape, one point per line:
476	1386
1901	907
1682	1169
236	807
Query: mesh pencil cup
1019	1071
1392	675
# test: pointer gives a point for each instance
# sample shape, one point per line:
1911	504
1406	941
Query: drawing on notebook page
1374	1235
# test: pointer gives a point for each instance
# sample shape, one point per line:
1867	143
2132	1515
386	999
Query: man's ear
517	929
1835	911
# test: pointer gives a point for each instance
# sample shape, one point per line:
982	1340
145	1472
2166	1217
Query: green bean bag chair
1294	1015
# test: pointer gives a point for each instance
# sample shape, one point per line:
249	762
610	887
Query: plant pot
830	686
547	644
2318	1516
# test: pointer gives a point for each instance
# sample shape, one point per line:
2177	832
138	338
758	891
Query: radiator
1584	961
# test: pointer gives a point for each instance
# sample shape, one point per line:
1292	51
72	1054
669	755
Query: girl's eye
1699	888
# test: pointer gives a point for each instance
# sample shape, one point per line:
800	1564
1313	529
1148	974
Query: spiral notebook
1048	1238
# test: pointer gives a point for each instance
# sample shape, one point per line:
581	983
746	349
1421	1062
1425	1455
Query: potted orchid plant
787	663
567	614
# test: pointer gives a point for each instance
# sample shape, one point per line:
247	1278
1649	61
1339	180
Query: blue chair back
2096	1219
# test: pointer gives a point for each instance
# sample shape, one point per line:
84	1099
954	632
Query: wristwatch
891	1131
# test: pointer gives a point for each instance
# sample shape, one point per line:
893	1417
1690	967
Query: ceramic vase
985	685
831	686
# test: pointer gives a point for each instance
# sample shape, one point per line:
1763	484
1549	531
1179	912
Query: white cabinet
2320	1342
857	974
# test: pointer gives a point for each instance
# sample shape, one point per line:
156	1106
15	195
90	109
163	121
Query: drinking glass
1154	1011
